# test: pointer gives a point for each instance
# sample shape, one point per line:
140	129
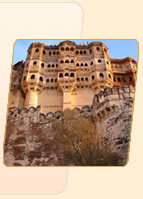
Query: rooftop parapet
121	61
68	42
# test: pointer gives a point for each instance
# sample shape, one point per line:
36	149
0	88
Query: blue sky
117	48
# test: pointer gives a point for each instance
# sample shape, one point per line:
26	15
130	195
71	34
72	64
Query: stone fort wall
112	112
29	131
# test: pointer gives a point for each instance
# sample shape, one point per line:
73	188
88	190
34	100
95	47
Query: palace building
67	76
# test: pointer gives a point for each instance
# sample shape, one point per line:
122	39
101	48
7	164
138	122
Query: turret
33	80
101	75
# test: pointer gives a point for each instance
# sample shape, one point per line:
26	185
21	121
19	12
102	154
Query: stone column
66	100
31	99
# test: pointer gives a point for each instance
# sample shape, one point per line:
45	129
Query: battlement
37	116
28	129
112	99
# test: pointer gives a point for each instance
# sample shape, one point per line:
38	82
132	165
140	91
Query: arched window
114	79
61	61
121	67
66	74
109	76
72	61
85	52
34	63
91	63
77	52
72	49
56	65
48	65
107	62
50	53
131	79
57	52
55	80
24	78
99	61
62	49
66	61
44	53
67	48
86	79
53	65
81	52
93	77
61	75
86	64
82	79
52	80
54	52
32	77
105	50
41	79
123	79
98	49
78	79
37	50
47	80
77	64
42	64
101	75
72	75
90	51
119	80
81	64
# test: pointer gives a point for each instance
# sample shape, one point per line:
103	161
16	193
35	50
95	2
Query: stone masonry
54	78
28	131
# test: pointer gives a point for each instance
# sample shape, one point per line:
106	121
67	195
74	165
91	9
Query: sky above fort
118	49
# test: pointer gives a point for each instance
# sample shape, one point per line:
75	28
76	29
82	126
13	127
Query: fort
67	76
79	77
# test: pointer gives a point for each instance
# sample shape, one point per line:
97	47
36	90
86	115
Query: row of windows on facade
125	67
61	75
81	52
120	67
80	64
41	79
122	79
48	66
50	53
101	75
67	61
91	63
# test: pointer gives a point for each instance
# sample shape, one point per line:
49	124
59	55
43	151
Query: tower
32	80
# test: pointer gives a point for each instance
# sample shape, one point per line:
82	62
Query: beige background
31	21
110	20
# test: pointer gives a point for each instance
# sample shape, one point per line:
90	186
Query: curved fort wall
29	131
112	113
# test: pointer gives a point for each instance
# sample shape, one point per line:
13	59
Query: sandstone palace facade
79	77
66	76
